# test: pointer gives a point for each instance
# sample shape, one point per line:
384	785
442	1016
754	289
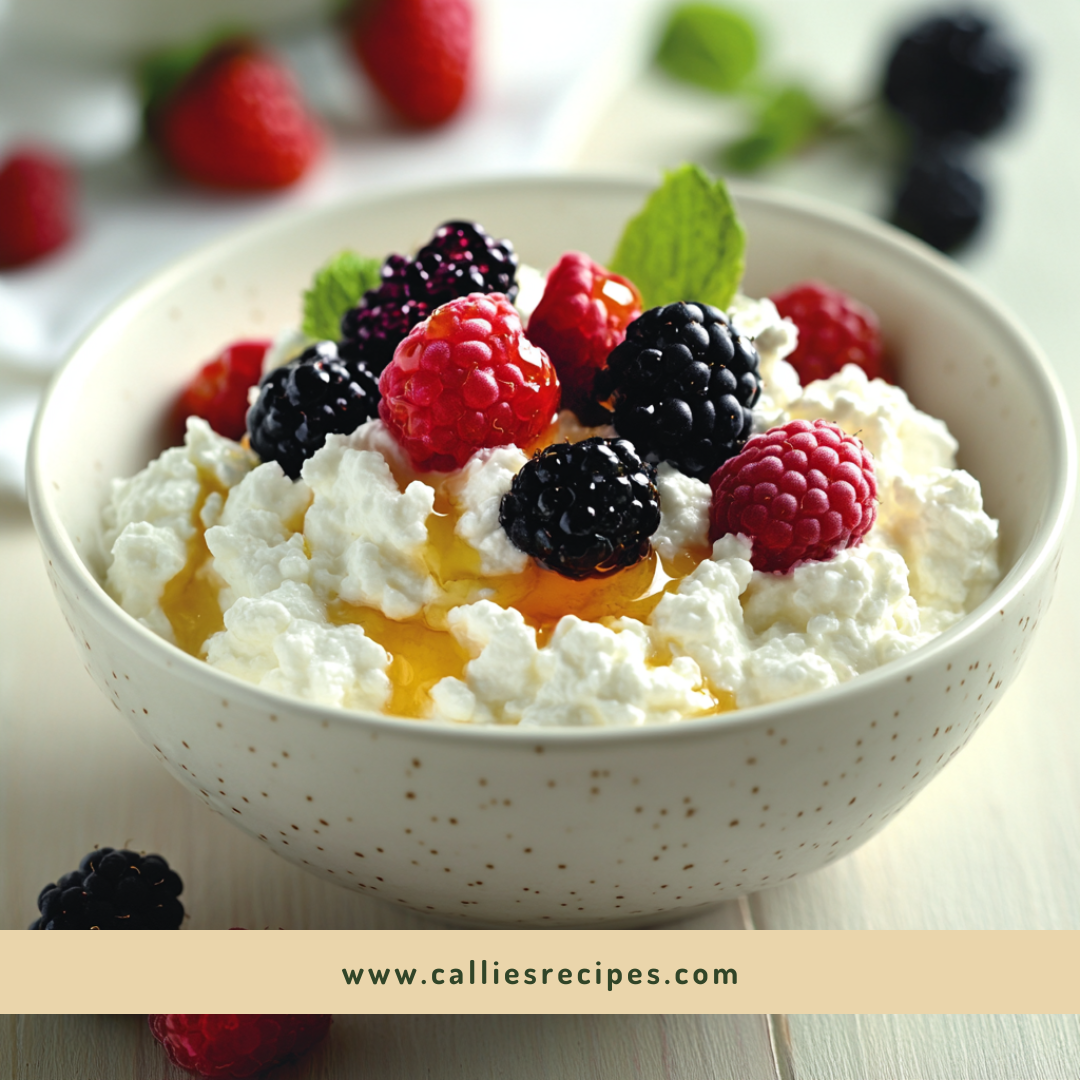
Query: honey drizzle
421	648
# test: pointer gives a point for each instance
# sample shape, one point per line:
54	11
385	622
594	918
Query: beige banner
523	971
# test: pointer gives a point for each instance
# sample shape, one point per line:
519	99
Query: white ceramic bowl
564	827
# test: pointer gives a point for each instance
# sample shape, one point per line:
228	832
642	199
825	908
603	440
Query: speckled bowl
570	827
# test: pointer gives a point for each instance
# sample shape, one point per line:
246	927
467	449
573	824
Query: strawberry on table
36	205
231	116
418	53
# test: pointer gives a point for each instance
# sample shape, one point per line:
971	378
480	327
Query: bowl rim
1046	540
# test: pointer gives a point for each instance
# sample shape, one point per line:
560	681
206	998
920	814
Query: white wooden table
994	843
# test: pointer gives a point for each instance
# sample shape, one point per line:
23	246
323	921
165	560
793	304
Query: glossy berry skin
834	330
301	403
581	317
219	391
459	259
803	490
37	193
113	890
464	379
237	121
939	199
224	1046
583	509
418	54
682	385
953	74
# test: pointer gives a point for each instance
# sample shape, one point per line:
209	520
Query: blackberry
682	385
299	404
951	74
940	200
459	259
583	509
113	890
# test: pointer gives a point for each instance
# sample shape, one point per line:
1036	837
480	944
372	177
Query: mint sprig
338	285
788	118
687	243
708	46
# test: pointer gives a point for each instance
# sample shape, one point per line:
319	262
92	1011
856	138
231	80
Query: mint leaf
708	46
337	287
687	243
788	119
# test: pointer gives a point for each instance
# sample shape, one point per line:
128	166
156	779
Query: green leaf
788	119
708	46
162	72
337	286
687	243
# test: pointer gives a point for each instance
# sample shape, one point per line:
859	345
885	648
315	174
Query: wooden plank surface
409	1047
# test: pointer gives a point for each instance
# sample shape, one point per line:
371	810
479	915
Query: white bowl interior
959	356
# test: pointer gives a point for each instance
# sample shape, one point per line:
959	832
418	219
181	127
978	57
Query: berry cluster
952	79
113	890
459	259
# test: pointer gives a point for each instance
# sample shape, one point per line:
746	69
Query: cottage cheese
359	529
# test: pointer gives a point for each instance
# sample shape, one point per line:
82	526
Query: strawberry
219	391
233	119
418	53
36	196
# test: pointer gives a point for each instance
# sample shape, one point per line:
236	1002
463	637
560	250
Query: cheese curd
360	576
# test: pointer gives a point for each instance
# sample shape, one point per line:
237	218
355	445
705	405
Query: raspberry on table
37	192
459	259
583	509
953	74
236	120
581	317
834	330
464	379
418	54
229	1047
113	890
799	491
300	403
682	385
219	391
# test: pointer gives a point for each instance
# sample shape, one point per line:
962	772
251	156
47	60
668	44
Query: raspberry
581	317
953	74
834	330
236	120
464	379
459	259
299	404
235	1046
113	890
683	383
799	491
36	196
219	392
940	200
583	509
418	53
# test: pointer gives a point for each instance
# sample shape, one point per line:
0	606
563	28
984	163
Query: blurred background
787	92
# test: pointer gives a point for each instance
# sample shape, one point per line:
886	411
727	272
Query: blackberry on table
953	74
459	259
940	200
682	385
299	404
583	509
113	890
